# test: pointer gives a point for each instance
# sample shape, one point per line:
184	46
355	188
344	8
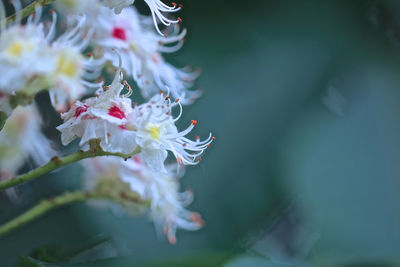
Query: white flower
101	117
31	60
110	118
141	48
157	134
69	80
167	207
157	9
23	56
21	139
133	178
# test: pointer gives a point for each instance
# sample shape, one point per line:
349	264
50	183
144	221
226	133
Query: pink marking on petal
116	112
137	160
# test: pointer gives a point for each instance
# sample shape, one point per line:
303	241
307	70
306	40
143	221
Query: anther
194	122
197	219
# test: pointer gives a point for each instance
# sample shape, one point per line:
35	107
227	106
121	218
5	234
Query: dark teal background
320	187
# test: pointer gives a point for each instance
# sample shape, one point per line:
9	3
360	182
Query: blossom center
119	33
80	110
15	49
154	132
66	66
116	112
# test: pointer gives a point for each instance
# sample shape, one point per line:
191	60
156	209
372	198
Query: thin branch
63	200
56	163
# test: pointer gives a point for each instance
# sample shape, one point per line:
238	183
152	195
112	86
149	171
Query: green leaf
61	253
24	261
201	260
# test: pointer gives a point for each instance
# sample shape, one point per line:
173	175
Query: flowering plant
132	154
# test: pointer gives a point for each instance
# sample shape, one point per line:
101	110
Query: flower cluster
31	60
66	55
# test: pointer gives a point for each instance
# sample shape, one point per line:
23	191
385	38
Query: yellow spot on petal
66	66
15	49
154	132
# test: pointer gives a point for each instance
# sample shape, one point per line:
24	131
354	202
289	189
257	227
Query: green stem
56	163
59	201
29	9
3	118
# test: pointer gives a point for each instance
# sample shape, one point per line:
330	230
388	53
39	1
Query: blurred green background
303	98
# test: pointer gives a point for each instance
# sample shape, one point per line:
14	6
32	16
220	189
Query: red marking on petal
79	110
116	112
119	33
123	127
